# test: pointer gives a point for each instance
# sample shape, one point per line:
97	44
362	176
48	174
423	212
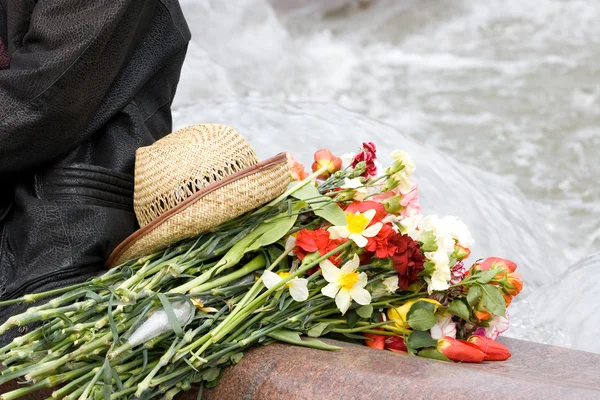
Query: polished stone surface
280	371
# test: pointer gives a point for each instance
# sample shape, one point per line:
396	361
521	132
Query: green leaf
319	329
210	374
487	276
293	337
321	205
365	311
428	243
419	339
421	305
492	300
236	357
434	354
421	319
352	318
173	321
277	229
460	309
474	295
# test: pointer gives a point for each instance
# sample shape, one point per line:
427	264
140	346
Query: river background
497	101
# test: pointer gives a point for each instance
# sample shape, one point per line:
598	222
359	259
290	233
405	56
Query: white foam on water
502	86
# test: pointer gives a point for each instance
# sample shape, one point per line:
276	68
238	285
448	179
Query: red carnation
367	155
408	260
318	240
381	244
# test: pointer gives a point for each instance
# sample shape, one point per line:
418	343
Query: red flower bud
374	340
459	351
494	351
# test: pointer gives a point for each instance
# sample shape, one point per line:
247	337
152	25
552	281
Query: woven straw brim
216	204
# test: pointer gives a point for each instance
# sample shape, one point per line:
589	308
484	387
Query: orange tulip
507	299
497	262
493	350
514	284
325	158
482	315
457	350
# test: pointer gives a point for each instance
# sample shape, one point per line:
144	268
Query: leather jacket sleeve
69	56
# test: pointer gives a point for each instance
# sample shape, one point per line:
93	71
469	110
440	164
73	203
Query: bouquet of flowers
345	253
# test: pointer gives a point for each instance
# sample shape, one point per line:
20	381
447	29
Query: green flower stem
48	382
294	189
121	394
256	263
164	360
221	330
102	341
70	387
171	393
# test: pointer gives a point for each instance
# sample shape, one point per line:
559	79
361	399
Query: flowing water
495	100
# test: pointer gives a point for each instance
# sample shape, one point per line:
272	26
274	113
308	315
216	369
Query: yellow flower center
356	222
347	281
284	275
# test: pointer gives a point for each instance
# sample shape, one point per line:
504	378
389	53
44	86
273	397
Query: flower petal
369	214
298	289
343	300
271	279
350	265
330	290
362	280
373	230
360	295
331	273
360	240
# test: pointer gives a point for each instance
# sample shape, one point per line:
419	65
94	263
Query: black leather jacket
88	82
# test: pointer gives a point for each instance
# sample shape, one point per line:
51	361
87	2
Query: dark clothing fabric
86	83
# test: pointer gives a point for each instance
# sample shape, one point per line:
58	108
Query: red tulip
459	351
493	350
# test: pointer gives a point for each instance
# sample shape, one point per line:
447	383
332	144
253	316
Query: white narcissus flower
444	326
345	284
391	284
297	286
357	228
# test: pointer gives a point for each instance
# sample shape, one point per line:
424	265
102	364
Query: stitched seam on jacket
93	41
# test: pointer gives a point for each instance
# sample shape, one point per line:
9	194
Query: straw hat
194	180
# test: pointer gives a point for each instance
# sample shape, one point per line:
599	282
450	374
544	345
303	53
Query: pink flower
444	326
497	325
458	273
410	201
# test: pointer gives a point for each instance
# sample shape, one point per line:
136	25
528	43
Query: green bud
390	184
397	166
392	205
345	195
359	170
